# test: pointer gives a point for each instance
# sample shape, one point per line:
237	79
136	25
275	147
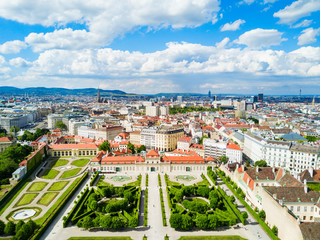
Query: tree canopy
59	124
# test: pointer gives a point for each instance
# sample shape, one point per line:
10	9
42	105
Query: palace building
149	162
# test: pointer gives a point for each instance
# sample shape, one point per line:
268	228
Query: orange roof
183	159
57	130
185	139
233	146
6	139
122	160
73	146
152	154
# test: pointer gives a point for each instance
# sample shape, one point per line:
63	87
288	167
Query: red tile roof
73	146
233	146
183	159
6	139
152	154
185	139
122	160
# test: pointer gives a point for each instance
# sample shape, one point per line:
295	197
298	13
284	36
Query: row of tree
105	146
175	110
20	231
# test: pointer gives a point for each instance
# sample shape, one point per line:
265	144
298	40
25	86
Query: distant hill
60	91
180	94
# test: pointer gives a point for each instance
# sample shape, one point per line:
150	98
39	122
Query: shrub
275	230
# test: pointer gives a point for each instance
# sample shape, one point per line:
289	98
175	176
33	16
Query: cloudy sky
152	46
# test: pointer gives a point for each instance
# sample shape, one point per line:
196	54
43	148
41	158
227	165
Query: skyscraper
260	97
209	94
98	96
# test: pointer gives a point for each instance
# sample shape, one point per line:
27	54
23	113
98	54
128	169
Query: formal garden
106	207
201	206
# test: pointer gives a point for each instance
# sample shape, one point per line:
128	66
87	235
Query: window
298	209
291	208
305	209
304	217
311	209
311	217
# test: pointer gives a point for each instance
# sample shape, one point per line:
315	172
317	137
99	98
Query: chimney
305	186
273	170
257	169
311	171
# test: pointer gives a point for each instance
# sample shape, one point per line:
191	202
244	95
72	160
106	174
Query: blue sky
243	47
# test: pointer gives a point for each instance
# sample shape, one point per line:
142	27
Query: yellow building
167	138
135	137
60	150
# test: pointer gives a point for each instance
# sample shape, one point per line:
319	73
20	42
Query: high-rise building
209	94
153	111
179	99
260	97
98	96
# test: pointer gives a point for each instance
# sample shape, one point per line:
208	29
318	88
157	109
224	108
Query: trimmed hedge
231	205
75	216
145	217
164	220
75	207
253	213
147	180
159	180
47	222
94	178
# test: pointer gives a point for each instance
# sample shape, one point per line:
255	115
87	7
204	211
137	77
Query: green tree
203	137
105	146
261	163
21	235
262	215
187	223
133	222
131	147
275	230
245	215
141	148
96	221
2	227
19	225
175	220
203	191
93	205
202	221
59	124
128	195
87	222
105	221
213	221
179	195
10	228
14	129
223	159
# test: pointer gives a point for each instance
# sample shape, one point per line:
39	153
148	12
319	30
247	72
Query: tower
98	96
209	94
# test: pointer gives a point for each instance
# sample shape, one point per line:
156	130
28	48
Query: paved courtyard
155	229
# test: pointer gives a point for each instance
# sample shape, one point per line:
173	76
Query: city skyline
240	47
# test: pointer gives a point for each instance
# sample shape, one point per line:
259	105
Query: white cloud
297	10
12	47
19	62
258	38
304	23
232	26
104	20
269	1
308	36
223	43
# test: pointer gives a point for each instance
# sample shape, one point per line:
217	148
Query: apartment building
104	131
292	157
153	111
135	137
167	138
148	137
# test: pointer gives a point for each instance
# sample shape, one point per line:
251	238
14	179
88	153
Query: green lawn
58	186
37	186
27	198
70	173
50	174
314	186
60	162
235	237
80	162
47	198
100	238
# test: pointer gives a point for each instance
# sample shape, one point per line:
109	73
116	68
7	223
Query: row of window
69	153
298	208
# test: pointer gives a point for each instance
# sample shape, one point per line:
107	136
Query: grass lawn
59	162
47	198
314	186
100	238
37	186
58	186
235	237
27	198
80	162
70	173
9	202
50	174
